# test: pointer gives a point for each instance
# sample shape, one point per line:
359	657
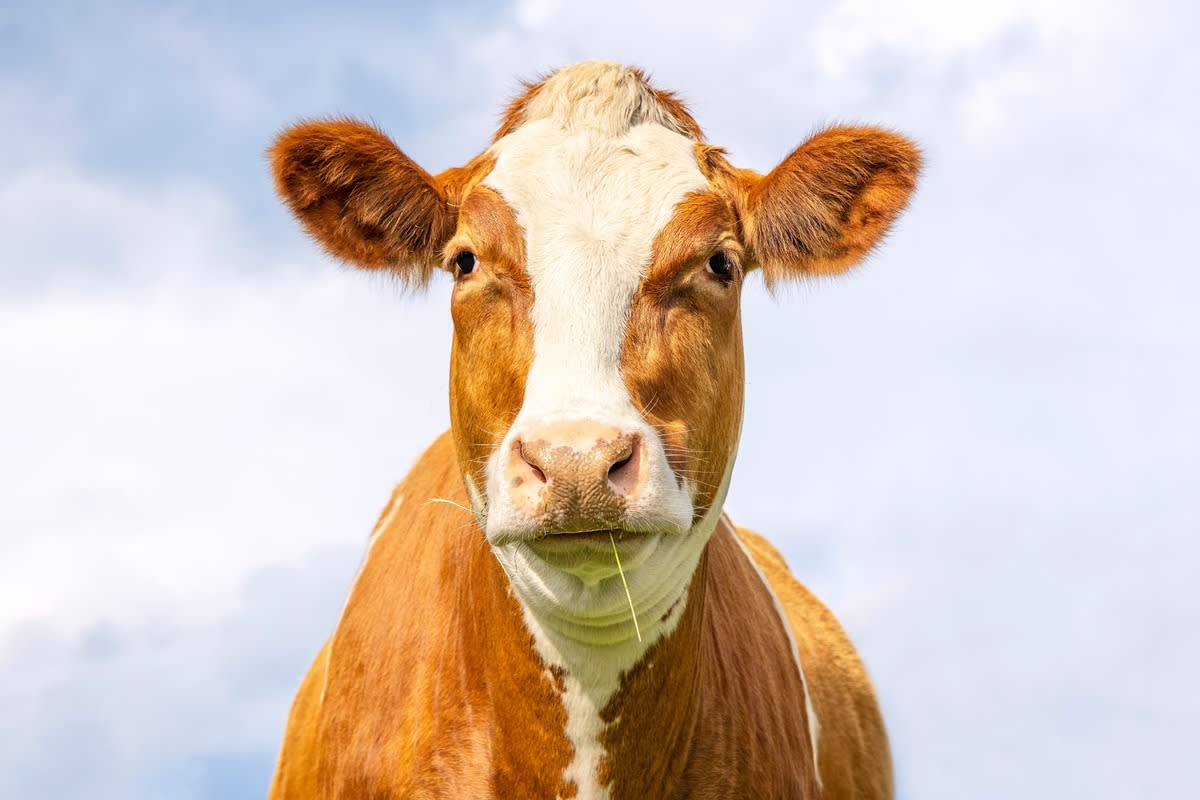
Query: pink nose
575	475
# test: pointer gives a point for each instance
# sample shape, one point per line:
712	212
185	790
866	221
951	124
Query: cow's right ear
361	198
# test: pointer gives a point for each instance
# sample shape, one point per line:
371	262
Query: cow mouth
586	535
593	555
598	542
548	539
595	537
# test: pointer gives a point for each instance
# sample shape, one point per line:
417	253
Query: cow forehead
590	203
602	194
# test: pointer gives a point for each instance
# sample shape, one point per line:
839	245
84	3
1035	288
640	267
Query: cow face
598	251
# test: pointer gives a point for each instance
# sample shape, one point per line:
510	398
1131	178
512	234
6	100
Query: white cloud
979	448
172	423
62	226
128	709
938	32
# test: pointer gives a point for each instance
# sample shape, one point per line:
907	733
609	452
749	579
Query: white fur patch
591	196
587	629
594	172
601	96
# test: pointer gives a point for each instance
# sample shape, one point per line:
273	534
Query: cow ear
361	198
829	202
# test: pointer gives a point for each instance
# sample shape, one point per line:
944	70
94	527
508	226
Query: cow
553	603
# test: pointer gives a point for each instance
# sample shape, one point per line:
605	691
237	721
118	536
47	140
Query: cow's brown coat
431	685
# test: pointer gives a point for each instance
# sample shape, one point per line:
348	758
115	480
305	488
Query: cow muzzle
572	476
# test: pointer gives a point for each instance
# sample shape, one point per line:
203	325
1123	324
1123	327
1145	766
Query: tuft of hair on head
598	95
361	198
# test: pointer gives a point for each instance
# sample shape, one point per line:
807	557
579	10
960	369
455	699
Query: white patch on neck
588	632
591	675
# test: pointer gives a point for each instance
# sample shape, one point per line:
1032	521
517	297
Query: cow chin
604	588
616	540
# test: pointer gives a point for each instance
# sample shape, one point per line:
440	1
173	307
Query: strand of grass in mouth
628	596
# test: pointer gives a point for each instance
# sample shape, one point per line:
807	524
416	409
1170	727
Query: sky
979	448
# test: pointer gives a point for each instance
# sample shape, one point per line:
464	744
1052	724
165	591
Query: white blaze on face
590	208
590	204
593	174
591	189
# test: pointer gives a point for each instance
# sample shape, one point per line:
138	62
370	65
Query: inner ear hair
830	202
361	198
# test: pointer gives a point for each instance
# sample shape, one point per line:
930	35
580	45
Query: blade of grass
628	596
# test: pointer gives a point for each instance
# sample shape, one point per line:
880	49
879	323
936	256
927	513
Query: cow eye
721	265
465	263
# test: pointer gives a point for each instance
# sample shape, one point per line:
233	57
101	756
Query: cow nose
603	460
575	475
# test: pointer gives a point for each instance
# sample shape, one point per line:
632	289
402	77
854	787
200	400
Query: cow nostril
623	474
617	467
519	447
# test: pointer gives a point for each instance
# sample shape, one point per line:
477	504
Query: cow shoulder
852	747
398	702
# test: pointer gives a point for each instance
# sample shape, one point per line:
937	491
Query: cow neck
650	722
667	731
584	634
580	724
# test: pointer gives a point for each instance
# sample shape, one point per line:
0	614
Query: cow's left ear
829	202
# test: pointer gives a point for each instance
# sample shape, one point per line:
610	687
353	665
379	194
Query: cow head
598	250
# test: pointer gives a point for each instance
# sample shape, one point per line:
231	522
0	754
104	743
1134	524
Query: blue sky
980	448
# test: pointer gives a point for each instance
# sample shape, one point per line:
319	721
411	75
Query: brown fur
737	725
854	755
830	201
452	701
493	335
430	686
675	107
682	356
514	112
361	198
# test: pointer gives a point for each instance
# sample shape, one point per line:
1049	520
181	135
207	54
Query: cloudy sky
980	448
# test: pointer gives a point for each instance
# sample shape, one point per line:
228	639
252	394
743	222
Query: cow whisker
450	503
